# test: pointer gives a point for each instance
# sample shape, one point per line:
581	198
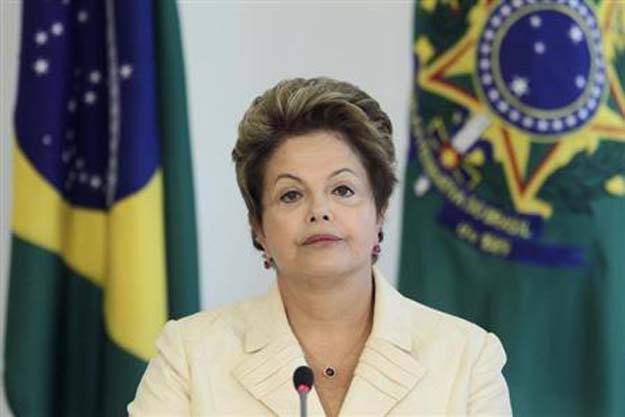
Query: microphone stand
303	411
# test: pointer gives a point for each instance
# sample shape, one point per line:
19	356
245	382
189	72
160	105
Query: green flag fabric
514	198
103	237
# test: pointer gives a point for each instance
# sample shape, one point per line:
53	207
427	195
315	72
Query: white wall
9	40
234	51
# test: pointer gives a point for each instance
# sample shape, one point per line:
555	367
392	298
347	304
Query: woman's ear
381	217
257	230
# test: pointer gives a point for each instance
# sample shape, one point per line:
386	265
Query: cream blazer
239	361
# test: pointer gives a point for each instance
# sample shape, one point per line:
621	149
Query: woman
315	165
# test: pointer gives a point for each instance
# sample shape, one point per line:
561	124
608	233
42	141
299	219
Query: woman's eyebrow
296	178
287	176
338	171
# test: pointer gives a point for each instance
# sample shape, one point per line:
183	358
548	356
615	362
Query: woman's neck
338	310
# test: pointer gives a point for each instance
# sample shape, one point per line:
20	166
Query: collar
386	372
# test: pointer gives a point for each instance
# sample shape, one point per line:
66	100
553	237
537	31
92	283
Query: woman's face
319	214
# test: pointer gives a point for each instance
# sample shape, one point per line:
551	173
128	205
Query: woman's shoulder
427	325
443	321
437	329
225	321
405	315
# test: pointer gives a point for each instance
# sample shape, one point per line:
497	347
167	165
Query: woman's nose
319	210
315	217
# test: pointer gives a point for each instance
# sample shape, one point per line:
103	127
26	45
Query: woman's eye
290	196
343	191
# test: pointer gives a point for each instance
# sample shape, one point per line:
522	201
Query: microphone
303	380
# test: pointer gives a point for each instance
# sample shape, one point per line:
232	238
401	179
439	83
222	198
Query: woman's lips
321	239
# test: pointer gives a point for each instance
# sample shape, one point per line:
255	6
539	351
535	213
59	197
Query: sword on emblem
462	141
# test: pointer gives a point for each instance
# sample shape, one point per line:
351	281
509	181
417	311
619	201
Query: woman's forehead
317	153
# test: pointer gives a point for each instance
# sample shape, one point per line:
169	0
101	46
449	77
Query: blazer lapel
387	370
383	377
272	355
267	373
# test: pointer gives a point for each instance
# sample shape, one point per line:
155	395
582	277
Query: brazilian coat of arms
519	116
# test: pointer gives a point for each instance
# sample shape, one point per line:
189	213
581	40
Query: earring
377	249
267	262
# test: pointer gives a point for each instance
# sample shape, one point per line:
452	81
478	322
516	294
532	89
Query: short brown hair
299	106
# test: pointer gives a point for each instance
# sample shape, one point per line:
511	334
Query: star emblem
57	29
519	86
41	38
95	77
82	16
95	182
125	71
90	97
539	48
41	66
576	34
591	110
535	21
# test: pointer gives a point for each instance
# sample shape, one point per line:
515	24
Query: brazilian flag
103	244
514	198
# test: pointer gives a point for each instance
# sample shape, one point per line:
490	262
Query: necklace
330	371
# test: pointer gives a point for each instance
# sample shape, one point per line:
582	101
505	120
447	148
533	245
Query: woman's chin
327	265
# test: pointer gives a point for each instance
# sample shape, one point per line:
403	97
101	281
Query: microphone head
303	379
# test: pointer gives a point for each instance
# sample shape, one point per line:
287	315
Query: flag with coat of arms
514	199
